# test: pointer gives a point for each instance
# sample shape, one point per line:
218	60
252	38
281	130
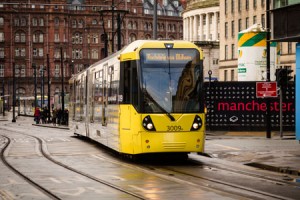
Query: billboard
252	55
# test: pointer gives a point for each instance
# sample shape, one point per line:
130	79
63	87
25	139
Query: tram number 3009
174	128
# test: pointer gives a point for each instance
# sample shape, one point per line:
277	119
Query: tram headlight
148	124
197	124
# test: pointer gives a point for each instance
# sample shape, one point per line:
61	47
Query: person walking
54	116
37	115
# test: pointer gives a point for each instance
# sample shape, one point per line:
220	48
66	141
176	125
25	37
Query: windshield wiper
159	106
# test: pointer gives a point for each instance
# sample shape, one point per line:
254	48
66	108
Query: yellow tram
145	98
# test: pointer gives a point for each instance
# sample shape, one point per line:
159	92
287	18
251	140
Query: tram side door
105	95
87	102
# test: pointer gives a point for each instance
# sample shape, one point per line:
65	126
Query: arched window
77	38
20	37
129	25
95	54
95	39
132	38
148	37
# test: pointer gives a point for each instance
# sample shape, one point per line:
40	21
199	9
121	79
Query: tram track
26	178
182	174
48	157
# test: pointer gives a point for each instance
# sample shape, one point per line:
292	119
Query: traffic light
281	76
289	72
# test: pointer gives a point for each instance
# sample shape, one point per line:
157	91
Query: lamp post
14	94
35	95
42	86
49	82
62	80
3	97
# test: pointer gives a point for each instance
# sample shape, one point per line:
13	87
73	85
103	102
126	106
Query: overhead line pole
268	117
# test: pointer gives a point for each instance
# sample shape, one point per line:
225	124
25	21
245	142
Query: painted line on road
227	147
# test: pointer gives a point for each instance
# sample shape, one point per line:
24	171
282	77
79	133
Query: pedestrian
37	115
66	117
54	116
59	116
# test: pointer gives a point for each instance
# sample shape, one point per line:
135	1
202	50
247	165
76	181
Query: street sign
266	89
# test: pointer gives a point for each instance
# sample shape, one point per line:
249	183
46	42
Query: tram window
125	82
134	86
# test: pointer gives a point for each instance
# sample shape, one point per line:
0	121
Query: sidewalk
254	149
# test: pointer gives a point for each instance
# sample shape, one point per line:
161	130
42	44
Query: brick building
32	31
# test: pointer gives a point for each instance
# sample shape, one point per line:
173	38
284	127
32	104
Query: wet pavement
247	148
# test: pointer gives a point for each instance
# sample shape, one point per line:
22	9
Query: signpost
266	89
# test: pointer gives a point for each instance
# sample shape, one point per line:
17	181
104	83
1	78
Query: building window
80	23
77	53
239	5
77	38
56	21
204	20
95	39
289	47
20	52
232	6
20	70
95	54
1	21
132	38
17	22
57	70
226	29
232	75
247	22
56	37
232	51
38	37
225	75
1	37
232	29
254	19
74	23
94	22
41	21
226	5
247	4
20	37
263	20
34	21
240	25
226	52
1	52
57	53
23	21
1	70
254	4
41	52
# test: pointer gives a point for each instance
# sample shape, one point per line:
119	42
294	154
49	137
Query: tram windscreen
171	80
